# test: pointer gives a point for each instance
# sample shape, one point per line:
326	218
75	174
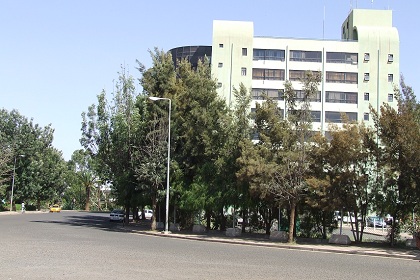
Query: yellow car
55	208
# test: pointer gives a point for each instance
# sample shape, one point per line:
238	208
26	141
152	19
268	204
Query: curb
410	255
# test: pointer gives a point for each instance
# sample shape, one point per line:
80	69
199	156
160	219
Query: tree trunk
222	221
244	219
127	213
324	225
154	207
208	220
87	203
292	220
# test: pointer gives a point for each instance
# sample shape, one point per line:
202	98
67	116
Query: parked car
375	221
116	215
148	214
55	208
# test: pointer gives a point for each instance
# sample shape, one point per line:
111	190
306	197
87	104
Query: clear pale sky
56	56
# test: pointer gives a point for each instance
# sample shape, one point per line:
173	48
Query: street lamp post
168	160
13	183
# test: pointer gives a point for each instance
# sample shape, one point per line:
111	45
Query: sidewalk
368	249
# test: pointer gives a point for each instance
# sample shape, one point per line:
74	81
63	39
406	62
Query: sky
56	56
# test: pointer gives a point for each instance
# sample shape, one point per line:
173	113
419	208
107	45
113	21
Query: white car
116	215
148	214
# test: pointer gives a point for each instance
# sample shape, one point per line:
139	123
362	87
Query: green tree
6	158
201	122
278	165
151	156
32	146
399	155
110	131
81	163
352	171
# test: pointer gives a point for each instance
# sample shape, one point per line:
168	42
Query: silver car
116	215
375	222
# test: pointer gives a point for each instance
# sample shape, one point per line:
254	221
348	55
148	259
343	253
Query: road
77	245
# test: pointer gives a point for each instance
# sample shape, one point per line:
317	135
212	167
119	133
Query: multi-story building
359	70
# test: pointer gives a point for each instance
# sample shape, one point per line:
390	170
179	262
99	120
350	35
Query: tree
6	158
289	179
151	155
201	124
319	197
31	144
352	170
110	131
399	154
279	164
81	163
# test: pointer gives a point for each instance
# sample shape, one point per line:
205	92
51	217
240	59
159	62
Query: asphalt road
77	245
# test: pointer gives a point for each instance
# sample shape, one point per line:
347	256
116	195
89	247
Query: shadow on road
95	221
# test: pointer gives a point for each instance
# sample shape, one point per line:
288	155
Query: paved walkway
369	249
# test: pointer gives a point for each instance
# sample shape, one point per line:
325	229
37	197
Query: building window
220	64
262	54
243	71
316	116
390	57
390	97
366	116
299	75
300	96
244	51
341	97
367	57
307	56
341	77
366	77
268	74
220	45
296	75
341	57
259	94
390	78
366	96
335	117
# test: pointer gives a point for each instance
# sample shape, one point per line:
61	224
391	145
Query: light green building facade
359	70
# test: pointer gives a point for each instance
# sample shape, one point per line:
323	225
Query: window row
330	116
278	94
330	96
305	56
298	75
268	74
366	77
366	57
308	56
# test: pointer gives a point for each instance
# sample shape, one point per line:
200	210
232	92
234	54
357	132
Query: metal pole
167	175
13	185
